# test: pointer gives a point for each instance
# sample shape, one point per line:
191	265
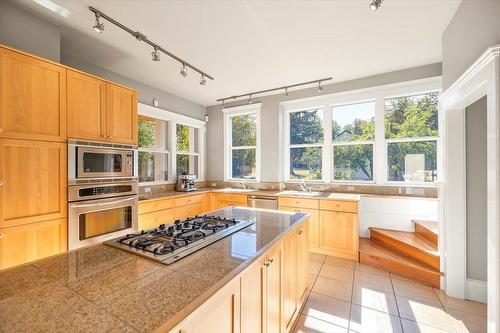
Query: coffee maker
185	183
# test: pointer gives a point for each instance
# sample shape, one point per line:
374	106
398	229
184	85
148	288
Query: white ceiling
253	45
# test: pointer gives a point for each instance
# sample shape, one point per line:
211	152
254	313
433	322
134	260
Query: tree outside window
153	153
243	146
186	149
411	131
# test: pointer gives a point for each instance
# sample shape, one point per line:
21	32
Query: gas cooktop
170	242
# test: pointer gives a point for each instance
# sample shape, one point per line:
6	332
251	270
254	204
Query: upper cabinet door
121	120
32	98
86	107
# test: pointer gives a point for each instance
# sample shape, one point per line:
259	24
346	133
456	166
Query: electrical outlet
147	189
214	184
350	188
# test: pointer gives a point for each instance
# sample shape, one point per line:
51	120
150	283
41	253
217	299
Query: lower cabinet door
154	219
302	255
288	289
188	211
253	298
28	242
221	314
338	234
273	290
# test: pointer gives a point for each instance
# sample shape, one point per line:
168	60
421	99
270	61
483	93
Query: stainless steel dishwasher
262	201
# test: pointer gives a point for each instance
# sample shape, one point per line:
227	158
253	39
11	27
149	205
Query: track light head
320	87
155	55
375	4
203	80
183	71
223	106
286	92
250	99
98	26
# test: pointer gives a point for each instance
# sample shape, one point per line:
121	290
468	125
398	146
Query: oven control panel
100	190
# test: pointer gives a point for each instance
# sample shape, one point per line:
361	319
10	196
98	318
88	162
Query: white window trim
379	95
228	148
172	120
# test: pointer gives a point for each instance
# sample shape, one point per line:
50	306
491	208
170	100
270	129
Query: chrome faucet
244	184
303	186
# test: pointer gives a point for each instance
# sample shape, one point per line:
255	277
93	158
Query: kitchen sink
237	190
300	193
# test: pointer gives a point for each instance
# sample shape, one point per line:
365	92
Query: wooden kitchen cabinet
33	180
25	243
32	97
302	256
221	313
230	199
272	290
154	219
86	104
121	114
339	234
289	286
313	224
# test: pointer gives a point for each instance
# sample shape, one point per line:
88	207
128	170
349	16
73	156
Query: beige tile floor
352	297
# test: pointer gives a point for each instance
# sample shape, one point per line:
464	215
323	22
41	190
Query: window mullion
380	146
327	161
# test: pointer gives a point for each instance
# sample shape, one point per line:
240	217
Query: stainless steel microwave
100	161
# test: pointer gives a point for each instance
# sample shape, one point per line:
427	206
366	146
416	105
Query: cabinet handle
300	232
266	264
1	183
271	260
1	130
1	236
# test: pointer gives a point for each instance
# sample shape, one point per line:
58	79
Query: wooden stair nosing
423	230
393	263
386	239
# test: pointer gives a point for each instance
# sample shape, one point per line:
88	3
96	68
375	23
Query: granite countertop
321	195
101	288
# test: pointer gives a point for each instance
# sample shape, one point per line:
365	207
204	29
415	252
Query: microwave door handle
99	203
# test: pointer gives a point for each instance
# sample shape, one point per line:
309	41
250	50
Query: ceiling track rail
285	88
142	38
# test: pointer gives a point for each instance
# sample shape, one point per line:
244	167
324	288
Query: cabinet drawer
188	211
156	205
232	197
188	200
339	206
154	219
298	202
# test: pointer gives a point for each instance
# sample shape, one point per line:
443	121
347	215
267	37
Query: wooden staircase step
373	254
407	244
428	230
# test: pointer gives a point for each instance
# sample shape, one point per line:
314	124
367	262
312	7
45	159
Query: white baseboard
477	291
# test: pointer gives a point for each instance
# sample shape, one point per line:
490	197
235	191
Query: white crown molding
491	53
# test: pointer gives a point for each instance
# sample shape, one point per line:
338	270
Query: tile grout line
350	303
397	303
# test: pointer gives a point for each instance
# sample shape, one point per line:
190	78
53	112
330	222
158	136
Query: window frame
172	120
380	144
228	138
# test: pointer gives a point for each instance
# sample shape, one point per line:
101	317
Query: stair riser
410	272
426	234
404	249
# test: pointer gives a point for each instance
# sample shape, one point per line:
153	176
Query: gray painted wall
29	33
476	190
146	93
271	124
475	26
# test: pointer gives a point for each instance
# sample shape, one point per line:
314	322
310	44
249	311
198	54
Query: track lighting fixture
157	49
155	54
320	88
375	4
223	106
184	72
250	99
98	26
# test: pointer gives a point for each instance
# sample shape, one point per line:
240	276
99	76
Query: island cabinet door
339	234
302	263
220	314
273	283
289	288
253	297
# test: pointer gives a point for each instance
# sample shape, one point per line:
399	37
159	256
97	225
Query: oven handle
75	205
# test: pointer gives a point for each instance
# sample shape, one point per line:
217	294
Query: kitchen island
254	278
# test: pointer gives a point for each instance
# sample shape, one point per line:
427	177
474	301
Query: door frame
481	79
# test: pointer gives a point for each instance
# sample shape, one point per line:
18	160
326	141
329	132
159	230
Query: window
186	149
411	132
305	144
353	134
153	154
168	144
242	143
378	135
